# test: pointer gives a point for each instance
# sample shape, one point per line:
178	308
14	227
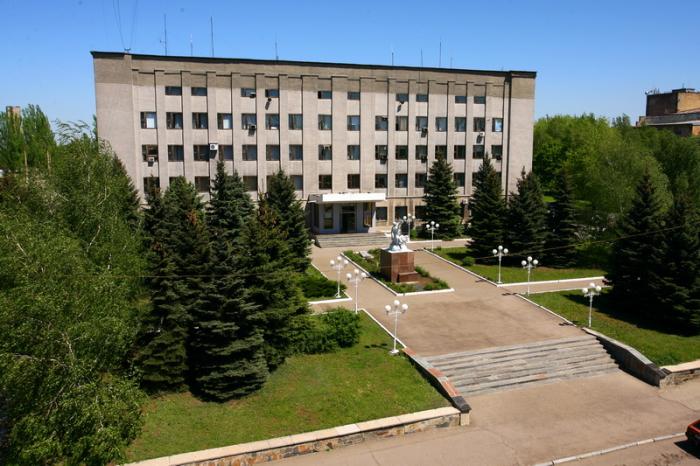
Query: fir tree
488	212
440	197
527	219
638	252
270	281
561	251
231	207
290	214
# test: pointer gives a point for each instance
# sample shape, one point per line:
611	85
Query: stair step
351	240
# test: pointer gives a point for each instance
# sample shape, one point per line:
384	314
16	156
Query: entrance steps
348	240
493	369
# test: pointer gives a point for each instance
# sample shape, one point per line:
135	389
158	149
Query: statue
398	241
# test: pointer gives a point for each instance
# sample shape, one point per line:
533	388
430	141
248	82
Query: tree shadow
688	447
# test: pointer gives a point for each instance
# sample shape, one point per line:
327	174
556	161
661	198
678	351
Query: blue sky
591	56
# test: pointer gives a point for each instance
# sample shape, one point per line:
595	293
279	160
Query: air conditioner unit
213	147
252	127
424	131
251	95
150	159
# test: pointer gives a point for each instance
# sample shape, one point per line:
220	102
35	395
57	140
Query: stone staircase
348	240
488	370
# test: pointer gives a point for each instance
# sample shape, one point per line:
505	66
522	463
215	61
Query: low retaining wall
680	373
328	439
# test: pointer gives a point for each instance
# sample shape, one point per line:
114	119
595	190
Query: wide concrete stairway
506	367
347	240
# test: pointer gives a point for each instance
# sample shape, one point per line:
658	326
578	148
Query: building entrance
348	219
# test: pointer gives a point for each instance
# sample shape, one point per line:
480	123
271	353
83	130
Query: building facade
357	140
677	111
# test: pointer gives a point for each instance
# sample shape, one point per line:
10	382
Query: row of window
200	120
202	153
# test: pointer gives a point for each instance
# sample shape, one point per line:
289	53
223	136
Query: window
226	151
354	152
497	125
328	217
298	181
353	122
149	151
202	184
173	90
380	153
421	97
460	124
401	152
403	98
441	124
421	123
401	180
325	122
400	211
459	179
248	92
296	152
325	95
224	121
381	123
353	181
422	153
249	153
479	99
248	120
325	181
353	95
250	183
325	152
479	124
478	151
201	152
200	121
380	180
421	179
460	99
199	91
176	153
460	152
150	184
440	152
272	152
296	121
419	212
272	121
380	214
401	123
148	120
173	120
272	93
497	151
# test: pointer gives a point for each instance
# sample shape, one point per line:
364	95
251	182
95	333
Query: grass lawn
515	274
316	287
308	392
662	348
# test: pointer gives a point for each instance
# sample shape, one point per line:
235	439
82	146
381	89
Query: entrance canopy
337	198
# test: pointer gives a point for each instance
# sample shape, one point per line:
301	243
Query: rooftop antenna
440	55
211	28
277	57
165	33
191	46
421	58
392	55
450	61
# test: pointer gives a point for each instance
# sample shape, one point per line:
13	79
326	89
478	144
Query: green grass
316	287
661	347
308	392
514	274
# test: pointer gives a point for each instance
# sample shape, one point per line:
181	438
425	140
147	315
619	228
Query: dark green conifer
488	211
282	199
527	219
440	197
561	250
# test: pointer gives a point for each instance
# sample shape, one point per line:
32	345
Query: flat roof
99	54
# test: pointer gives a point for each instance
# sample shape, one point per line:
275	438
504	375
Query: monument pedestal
398	266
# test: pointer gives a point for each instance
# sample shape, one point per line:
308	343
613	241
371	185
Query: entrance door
347	219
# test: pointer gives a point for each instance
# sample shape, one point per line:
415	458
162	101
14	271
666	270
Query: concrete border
463	269
331	301
683	372
548	282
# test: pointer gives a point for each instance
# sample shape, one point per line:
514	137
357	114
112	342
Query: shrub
338	328
421	271
468	261
318	286
343	326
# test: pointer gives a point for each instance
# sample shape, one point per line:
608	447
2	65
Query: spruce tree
527	219
440	197
486	224
637	254
230	207
561	251
290	214
268	264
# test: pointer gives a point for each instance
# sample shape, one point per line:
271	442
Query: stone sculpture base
398	266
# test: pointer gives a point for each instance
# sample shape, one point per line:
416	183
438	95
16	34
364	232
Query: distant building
13	110
678	111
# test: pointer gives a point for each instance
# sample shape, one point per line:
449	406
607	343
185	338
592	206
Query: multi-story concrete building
357	140
678	111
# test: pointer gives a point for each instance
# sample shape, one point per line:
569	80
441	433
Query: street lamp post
409	219
338	265
500	252
529	264
590	292
395	311
356	278
432	226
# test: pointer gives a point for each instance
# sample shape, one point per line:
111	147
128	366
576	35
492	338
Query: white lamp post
500	252
395	311
409	219
356	278
432	226
529	264
338	264
590	292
